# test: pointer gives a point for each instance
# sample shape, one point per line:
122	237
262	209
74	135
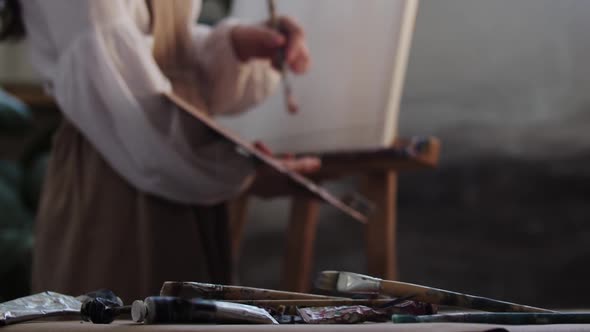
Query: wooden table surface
122	326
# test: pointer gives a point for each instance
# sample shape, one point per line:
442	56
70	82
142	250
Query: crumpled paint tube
361	314
46	304
340	315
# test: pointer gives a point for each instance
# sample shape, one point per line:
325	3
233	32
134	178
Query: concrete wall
501	76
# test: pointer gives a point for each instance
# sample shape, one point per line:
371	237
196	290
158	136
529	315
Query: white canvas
350	98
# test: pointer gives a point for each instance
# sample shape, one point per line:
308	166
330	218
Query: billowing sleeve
109	86
233	86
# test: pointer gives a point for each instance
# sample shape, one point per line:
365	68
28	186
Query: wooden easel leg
381	189
301	233
238	216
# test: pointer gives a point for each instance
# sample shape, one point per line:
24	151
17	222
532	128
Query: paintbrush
275	23
346	282
233	293
322	302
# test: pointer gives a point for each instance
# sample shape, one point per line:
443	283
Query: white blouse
96	56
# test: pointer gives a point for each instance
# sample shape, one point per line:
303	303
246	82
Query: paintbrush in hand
275	23
353	283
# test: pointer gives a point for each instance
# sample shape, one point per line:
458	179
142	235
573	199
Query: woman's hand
268	183
262	42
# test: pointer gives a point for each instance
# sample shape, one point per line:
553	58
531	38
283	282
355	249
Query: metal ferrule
358	283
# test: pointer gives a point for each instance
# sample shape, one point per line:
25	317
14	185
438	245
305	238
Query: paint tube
47	304
360	314
340	315
102	310
174	310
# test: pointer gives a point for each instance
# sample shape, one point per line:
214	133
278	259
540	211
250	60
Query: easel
379	173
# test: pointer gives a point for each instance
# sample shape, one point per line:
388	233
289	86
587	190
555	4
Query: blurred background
504	84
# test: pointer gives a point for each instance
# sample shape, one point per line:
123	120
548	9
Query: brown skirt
94	231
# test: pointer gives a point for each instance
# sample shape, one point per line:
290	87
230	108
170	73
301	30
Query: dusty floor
509	229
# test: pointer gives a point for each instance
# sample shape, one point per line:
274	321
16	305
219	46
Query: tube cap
138	311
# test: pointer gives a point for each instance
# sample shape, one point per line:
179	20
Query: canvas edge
400	67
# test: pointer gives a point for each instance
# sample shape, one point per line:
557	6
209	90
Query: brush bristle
327	281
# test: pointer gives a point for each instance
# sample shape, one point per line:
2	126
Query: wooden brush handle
247	293
272	11
191	290
454	299
315	302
